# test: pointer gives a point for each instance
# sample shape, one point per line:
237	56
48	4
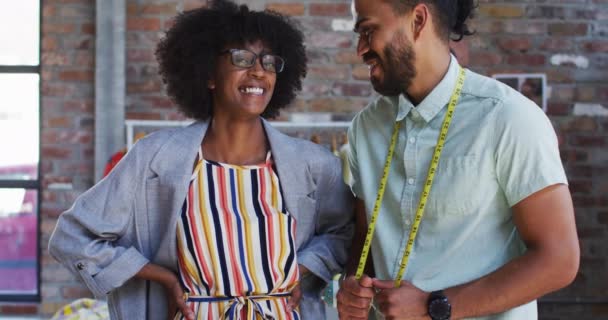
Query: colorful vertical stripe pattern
235	238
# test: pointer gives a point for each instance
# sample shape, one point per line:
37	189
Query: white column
110	79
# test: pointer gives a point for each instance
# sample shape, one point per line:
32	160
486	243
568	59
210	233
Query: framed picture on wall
531	85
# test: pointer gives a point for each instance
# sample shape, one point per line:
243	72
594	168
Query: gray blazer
129	218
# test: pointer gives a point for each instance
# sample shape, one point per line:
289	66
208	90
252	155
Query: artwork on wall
531	85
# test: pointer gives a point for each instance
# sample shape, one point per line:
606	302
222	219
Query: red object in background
18	240
113	161
118	155
19	237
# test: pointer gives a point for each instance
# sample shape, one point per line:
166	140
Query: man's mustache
370	56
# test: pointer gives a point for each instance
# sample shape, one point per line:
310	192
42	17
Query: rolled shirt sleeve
527	154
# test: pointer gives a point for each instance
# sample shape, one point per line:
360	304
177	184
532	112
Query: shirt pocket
453	192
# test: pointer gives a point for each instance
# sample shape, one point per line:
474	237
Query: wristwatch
439	308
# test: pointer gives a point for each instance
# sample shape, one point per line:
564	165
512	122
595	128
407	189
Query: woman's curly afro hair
187	54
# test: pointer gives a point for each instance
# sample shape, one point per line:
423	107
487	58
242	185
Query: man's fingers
344	316
389	310
355	297
352	286
349	312
352	301
366	281
383	284
383	307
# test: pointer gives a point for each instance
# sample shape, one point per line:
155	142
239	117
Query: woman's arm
326	252
85	237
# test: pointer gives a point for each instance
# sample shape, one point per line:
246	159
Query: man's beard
398	68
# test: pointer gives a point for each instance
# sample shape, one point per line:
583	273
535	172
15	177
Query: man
497	230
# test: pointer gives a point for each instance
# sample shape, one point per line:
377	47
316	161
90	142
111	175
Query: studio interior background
79	82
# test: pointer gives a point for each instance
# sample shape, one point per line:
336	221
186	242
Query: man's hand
405	302
355	298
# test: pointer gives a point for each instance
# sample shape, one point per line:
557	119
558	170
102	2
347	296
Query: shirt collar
434	101
404	106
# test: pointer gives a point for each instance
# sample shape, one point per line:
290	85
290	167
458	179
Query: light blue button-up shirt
500	149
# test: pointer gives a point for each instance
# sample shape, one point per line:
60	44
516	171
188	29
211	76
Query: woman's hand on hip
296	292
177	300
173	288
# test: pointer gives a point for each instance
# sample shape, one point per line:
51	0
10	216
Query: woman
222	218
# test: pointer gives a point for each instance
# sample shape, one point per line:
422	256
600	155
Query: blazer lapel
173	164
179	150
294	174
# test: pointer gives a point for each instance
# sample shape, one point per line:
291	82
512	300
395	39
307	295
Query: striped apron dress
236	243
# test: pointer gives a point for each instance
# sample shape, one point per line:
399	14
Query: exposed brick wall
513	36
526	36
68	67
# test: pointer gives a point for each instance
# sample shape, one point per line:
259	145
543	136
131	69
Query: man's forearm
545	222
522	280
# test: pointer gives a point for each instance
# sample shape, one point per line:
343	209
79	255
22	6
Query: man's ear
421	16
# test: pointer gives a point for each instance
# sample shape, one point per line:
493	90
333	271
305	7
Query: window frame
34	184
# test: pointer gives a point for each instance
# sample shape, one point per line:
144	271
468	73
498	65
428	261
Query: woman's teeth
252	90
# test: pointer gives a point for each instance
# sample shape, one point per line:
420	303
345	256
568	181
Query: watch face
440	309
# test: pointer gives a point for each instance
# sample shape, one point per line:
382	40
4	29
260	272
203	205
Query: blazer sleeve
326	253
87	236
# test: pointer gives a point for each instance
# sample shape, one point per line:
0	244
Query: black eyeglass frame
257	56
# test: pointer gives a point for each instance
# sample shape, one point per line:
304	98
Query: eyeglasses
244	58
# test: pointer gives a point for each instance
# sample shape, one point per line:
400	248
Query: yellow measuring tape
425	191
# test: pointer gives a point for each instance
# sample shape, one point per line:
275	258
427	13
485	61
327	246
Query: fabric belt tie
252	303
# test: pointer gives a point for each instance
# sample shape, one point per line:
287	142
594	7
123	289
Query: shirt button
408	222
412	140
410	180
80	266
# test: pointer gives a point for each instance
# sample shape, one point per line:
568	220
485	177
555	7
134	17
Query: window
19	149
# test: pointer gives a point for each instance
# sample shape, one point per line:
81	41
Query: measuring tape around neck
425	191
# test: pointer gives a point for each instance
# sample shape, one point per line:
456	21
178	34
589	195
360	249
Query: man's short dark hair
451	15
188	53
